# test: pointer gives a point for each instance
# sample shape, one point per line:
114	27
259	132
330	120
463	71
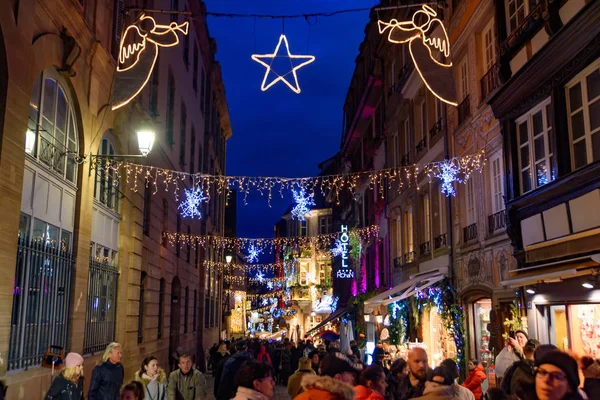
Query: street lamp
228	258
378	317
367	318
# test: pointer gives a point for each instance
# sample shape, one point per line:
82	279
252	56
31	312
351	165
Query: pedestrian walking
460	392
263	356
336	382
398	372
372	384
519	377
556	377
220	354
231	368
134	390
475	379
254	381
439	385
153	378
294	382
413	384
186	383
107	377
68	385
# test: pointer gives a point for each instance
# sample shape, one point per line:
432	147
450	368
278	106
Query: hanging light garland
154	178
223	266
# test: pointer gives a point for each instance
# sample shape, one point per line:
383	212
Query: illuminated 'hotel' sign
345	272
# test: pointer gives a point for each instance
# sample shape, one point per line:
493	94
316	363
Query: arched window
141	309
52	136
105	190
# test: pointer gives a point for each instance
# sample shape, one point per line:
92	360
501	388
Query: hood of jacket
162	377
328	384
364	393
438	389
478	370
242	355
263	350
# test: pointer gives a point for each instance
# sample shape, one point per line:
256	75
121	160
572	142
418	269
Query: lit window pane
539	148
577	126
593	85
542	174
526	179
594	115
579	154
575	97
49	97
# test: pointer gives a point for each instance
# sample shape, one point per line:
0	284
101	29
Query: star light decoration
260	277
303	201
265	302
252	256
337	249
448	174
190	206
270	285
259	59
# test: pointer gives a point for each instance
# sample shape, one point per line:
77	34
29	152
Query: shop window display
440	344
481	318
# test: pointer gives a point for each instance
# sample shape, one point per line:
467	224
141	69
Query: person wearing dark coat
230	369
219	373
107	378
355	350
591	373
413	384
519	377
69	384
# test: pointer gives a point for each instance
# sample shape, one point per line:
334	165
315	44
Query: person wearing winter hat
68	385
556	377
294	382
591	373
439	386
153	378
337	380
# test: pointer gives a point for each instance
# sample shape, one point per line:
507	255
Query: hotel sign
345	272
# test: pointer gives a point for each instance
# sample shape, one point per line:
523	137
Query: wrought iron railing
409	257
489	82
440	241
422	145
470	233
405	160
100	315
425	248
497	221
52	154
401	79
464	110
436	129
41	297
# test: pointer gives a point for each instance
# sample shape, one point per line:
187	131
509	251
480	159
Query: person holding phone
511	353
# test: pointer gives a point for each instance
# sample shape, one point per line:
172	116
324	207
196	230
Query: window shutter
119	21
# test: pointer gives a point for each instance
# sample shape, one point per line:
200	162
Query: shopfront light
367	318
588	284
532	289
378	317
29	141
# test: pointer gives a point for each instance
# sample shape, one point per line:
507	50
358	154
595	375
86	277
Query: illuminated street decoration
259	59
138	52
270	285
327	304
190	205
430	54
345	272
448	175
260	277
338	249
303	201
252	256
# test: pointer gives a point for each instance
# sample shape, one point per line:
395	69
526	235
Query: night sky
278	132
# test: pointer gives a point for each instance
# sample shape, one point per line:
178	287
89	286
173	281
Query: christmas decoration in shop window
305	60
138	52
190	205
429	49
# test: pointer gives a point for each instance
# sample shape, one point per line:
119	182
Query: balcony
436	130
425	248
440	241
398	262
489	82
405	160
401	79
470	233
497	221
409	257
464	110
422	145
52	154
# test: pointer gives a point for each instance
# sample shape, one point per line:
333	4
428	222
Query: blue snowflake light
260	277
338	248
265	301
303	201
252	256
448	173
270	285
190	206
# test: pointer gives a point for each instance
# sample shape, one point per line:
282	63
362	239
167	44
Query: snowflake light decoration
190	206
448	174
260	277
338	249
270	285
265	302
303	201
253	252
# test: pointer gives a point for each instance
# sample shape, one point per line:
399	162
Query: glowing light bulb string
154	178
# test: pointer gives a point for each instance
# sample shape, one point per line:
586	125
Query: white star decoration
449	174
258	58
260	277
302	201
252	256
270	285
190	207
338	249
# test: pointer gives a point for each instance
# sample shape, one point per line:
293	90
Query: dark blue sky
278	132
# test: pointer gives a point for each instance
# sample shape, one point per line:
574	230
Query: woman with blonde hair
68	385
153	378
107	377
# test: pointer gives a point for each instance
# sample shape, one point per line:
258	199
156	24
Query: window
200	167
195	310
470	202
489	55
463	79
186	308
407	140
161	307
424	124
153	88
140	337
188	252
118	18
174	7
325	225
170	109
52	122
165	221
583	104
193	151
497	182
106	180
303	276
534	133
303	228
515	13
426	219
195	71
408	229
393	72
182	134
186	48
398	226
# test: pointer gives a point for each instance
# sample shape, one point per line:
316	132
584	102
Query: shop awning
405	289
537	278
331	317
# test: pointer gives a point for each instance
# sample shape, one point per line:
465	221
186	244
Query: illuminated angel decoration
138	52
429	49
303	201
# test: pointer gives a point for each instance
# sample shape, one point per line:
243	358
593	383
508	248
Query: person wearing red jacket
372	384
263	356
475	378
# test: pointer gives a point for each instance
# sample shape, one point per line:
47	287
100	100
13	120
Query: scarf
150	378
249	394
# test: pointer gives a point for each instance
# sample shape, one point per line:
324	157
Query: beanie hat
565	362
543	349
72	360
337	363
523	332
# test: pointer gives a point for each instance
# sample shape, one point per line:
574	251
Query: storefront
438	341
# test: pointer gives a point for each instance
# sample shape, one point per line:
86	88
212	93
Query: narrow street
280	392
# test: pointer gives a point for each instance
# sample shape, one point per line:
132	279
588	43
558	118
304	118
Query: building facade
547	107
85	258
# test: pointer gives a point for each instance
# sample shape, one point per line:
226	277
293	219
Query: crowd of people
249	370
